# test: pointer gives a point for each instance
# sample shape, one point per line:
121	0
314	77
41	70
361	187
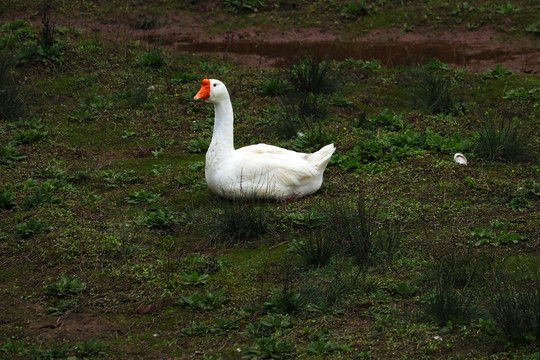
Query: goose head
213	91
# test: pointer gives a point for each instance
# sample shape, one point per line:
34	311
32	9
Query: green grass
108	227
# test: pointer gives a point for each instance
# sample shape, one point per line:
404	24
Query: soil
477	50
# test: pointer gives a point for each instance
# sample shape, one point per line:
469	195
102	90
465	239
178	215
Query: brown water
283	53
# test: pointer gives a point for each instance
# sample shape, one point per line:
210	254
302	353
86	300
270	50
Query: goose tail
321	158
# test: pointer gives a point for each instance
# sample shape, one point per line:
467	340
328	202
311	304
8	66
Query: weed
274	87
502	141
385	119
323	347
315	251
284	302
195	329
245	5
355	9
452	274
62	307
239	221
515	306
64	287
497	73
30	136
183	78
158	216
203	301
90	349
507	9
194	278
42	196
405	288
521	94
222	325
313	75
534	28
152	59
56	351
146	22
311	140
431	90
525	197
312	218
269	348
143	196
32	227
198	145
353	231
11	348
7	199
115	178
11	103
9	154
136	96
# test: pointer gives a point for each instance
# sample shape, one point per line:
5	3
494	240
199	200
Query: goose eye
215	85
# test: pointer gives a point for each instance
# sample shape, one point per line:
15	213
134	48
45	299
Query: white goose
255	171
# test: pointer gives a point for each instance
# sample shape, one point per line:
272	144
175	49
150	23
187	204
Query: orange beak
204	93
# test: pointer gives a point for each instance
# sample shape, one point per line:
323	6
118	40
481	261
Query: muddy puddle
391	53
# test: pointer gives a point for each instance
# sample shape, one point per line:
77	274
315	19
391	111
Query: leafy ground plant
502	141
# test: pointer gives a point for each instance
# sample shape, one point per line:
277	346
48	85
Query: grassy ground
113	247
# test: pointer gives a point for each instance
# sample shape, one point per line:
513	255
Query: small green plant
143	196
525	197
9	154
152	59
64	287
30	136
239	221
198	145
12	348
158	216
11	101
146	22
452	274
385	119
431	90
56	351
515	306
463	9
223	325
89	108
194	278
62	307
42	196
534	28
183	78
116	178
405	288
269	348
195	329
203	301
316	251
32	227
507	9
284	302
502	141
521	94
7	199
313	75
355	9
274	87
245	5
92	349
497	73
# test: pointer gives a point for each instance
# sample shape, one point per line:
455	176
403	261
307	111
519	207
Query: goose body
255	171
